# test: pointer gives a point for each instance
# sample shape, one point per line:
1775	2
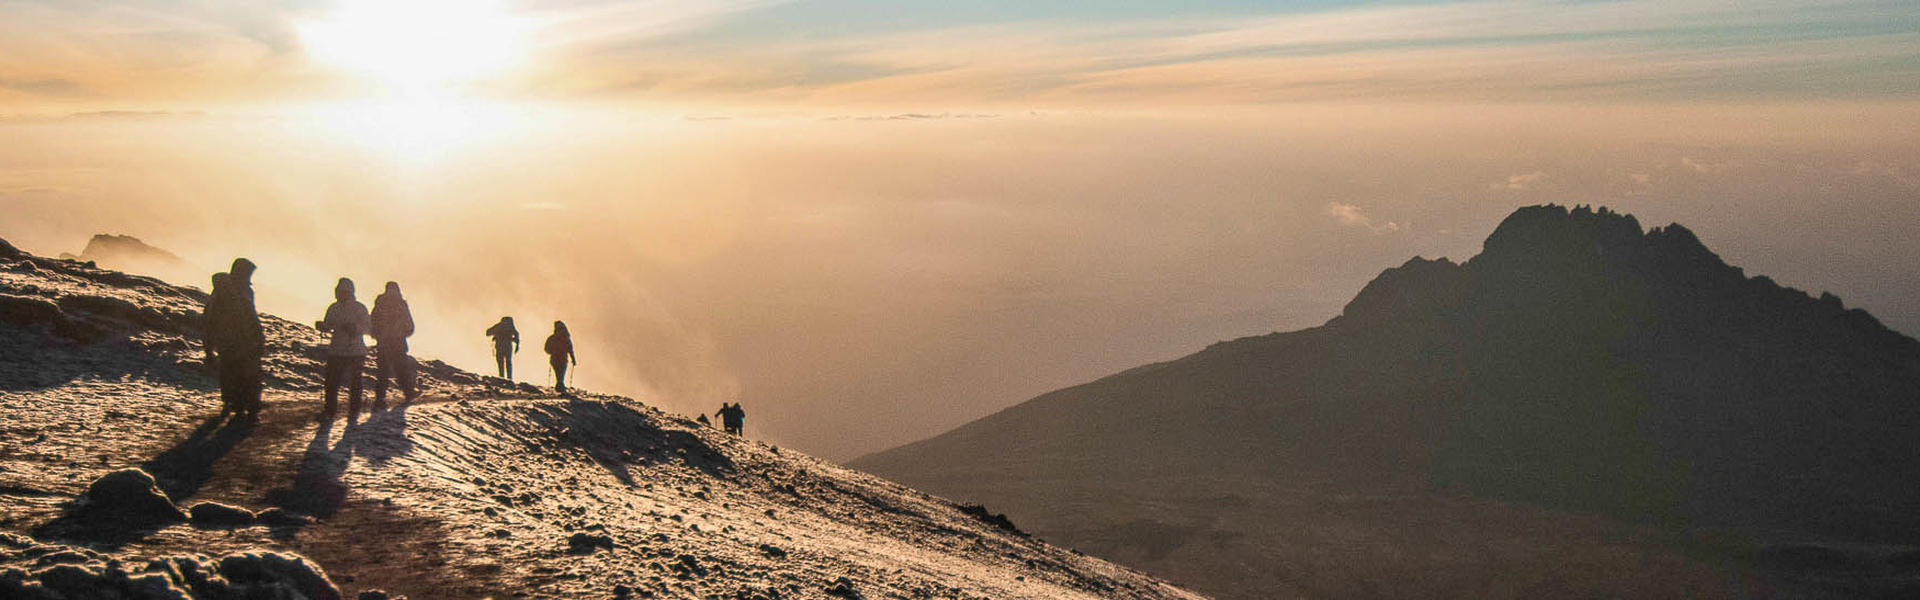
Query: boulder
276	575
587	543
216	515
129	493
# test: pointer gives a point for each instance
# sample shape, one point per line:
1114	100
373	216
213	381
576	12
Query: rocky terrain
1585	409
118	480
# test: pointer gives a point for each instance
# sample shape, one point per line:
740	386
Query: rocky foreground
116	481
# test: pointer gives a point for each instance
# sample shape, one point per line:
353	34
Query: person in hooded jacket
348	321
392	325
506	342
559	349
235	341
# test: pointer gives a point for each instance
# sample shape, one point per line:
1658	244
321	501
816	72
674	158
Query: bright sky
69	55
871	221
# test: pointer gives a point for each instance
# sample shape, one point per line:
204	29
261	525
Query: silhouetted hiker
348	321
506	343
214	300
703	421
234	339
733	416
392	324
559	351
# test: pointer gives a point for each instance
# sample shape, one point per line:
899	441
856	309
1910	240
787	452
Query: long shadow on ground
179	471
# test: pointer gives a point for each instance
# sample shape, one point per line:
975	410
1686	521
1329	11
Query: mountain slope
1581	390
482	488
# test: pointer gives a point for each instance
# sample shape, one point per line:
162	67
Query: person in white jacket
348	321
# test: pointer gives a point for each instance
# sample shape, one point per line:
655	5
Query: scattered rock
843	587
258	575
689	567
587	543
214	514
130	493
997	520
772	551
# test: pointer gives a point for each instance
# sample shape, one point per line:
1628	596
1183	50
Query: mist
864	280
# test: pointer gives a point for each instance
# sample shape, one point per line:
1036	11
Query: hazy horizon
872	222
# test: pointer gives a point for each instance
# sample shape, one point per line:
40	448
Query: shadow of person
614	434
178	472
383	436
317	488
182	469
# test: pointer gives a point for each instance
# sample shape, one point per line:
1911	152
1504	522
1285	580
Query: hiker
348	321
559	351
235	340
215	301
392	324
733	417
506	343
703	421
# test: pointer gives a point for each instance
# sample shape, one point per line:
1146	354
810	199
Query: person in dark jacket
392	325
235	339
216	301
733	417
560	350
349	323
506	343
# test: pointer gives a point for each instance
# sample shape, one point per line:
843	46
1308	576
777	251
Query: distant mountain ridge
123	251
1578	363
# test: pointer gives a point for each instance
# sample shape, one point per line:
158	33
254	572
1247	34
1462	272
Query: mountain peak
1582	370
1557	232
1416	289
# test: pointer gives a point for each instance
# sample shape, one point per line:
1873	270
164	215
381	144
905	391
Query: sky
873	221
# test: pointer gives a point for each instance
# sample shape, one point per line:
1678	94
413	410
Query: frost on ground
116	480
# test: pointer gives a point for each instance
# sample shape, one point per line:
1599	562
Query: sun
417	47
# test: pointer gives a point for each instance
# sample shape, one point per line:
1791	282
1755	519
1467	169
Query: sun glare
417	46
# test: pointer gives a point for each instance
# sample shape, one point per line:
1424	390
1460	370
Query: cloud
47	86
1504	50
1521	181
1476	51
1704	166
1349	215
